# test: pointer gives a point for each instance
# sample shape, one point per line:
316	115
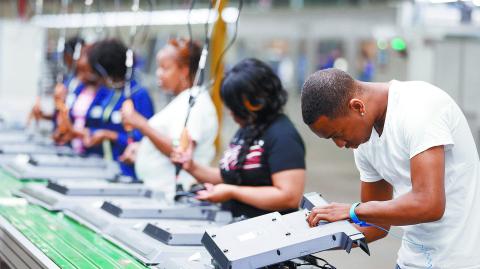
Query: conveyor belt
67	243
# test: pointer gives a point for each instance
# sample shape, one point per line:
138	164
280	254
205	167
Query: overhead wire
230	44
129	62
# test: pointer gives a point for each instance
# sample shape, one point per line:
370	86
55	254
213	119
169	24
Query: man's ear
357	105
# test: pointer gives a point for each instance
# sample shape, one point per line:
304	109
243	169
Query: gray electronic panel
21	168
98	188
30	148
146	249
69	161
52	200
183	233
198	260
92	217
275	238
158	210
14	137
101	221
23	137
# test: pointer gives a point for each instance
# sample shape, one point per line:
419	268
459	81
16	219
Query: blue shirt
108	116
91	120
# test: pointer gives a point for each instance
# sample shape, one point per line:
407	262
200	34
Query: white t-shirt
156	169
421	116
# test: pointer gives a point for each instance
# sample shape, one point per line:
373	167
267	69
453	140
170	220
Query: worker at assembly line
263	170
106	131
72	123
177	64
70	83
418	165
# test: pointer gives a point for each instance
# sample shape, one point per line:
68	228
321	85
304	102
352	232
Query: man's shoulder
420	91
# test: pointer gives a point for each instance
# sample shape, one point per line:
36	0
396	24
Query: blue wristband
354	217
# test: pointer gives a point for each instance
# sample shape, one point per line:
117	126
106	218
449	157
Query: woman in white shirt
177	64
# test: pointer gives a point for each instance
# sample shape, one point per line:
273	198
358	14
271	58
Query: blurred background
437	41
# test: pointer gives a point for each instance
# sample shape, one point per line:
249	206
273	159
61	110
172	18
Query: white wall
21	51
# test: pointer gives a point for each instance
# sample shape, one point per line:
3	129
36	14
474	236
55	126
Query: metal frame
181	233
54	201
18	252
25	170
161	210
148	250
98	188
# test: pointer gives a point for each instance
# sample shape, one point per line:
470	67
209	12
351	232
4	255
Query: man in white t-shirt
418	164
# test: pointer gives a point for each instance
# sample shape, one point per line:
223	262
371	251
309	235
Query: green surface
64	241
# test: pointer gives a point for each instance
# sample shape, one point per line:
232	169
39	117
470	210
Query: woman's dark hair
254	93
189	53
107	58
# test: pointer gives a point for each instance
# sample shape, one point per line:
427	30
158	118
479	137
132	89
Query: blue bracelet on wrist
355	218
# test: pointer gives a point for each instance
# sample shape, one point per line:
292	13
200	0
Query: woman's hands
217	193
184	154
130	154
96	138
133	119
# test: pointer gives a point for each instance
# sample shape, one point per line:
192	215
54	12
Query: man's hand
332	212
216	193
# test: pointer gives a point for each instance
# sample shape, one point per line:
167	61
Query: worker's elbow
293	201
435	212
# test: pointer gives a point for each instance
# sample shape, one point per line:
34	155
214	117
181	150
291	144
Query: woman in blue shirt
106	130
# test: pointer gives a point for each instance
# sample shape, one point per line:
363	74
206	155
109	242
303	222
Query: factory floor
331	171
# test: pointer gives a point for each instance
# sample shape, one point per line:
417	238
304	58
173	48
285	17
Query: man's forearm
407	209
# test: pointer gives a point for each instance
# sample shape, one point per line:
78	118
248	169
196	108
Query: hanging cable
36	110
229	45
78	45
199	75
129	62
189	27
61	45
195	90
63	123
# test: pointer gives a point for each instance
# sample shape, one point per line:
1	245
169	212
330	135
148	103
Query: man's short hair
326	93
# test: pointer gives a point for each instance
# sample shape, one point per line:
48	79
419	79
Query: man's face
347	131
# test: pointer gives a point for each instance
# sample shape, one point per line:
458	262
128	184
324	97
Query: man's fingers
317	214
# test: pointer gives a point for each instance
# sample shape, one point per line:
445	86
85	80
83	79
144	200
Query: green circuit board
66	242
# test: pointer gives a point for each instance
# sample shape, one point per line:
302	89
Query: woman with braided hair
177	63
263	170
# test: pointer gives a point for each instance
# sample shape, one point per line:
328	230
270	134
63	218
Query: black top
279	148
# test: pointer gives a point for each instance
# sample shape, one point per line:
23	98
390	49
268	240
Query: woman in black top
263	170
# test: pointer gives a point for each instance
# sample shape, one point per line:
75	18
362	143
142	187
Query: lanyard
107	112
